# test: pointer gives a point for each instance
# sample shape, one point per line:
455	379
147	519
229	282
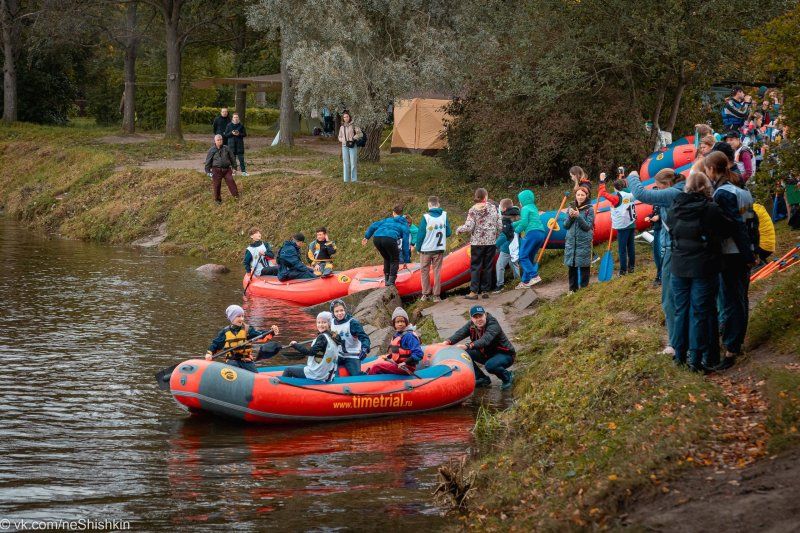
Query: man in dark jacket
220	164
290	266
221	122
234	137
488	346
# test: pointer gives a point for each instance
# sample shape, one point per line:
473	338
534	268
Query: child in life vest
405	351
354	342
623	220
235	334
322	355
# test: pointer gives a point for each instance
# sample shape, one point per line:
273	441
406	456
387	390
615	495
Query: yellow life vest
766	229
235	339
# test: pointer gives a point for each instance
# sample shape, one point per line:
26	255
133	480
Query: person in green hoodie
532	230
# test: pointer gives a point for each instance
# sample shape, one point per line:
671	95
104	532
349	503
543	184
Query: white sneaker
534	281
669	350
244	173
522	285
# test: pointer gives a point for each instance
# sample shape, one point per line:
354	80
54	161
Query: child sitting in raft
405	350
321	252
322	356
235	334
259	257
354	342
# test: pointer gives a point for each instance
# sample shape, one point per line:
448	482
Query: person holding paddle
578	243
238	333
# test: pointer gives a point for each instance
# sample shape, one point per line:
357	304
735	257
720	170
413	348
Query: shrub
263	116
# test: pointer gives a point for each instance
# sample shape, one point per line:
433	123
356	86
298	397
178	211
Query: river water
87	435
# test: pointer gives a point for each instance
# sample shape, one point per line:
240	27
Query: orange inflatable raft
455	272
302	291
444	378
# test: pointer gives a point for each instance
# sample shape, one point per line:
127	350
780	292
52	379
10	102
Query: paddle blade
269	350
606	270
163	377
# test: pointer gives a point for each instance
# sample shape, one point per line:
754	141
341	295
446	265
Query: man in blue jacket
290	266
736	109
387	232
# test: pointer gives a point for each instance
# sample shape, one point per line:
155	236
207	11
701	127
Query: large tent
419	125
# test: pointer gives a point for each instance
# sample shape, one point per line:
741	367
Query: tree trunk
662	90
10	29
287	96
173	130
240	100
239	44
676	103
131	42
372	151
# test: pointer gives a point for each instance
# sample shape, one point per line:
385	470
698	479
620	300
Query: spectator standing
736	109
578	242
221	164
655	224
431	242
221	122
742	156
327	121
234	138
349	136
736	204
697	227
484	226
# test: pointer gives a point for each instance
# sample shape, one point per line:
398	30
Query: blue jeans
657	259
667	304
242	166
495	364
350	163
351	364
694	302
503	260
528	248
251	366
734	302
626	249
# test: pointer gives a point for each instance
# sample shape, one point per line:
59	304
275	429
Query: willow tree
361	54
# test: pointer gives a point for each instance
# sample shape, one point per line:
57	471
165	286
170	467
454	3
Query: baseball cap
477	310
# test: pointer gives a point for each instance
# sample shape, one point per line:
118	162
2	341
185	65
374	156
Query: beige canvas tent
419	125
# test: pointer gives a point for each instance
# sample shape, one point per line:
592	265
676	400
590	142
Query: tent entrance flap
419	125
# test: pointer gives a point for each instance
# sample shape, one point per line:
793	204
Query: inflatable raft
302	291
455	272
443	379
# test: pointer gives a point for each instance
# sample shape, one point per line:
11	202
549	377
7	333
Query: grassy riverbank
73	182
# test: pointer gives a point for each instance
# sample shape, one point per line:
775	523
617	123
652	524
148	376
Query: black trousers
480	268
388	249
573	277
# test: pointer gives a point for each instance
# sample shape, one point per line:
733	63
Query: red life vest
397	353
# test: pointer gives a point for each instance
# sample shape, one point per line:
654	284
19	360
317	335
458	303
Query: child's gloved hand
209	356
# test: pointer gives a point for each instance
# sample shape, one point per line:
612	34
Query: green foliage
45	91
783	417
263	116
776	318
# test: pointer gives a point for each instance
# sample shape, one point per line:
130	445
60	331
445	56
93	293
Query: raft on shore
444	378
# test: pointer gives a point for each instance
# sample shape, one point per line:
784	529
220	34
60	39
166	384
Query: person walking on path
387	233
349	136
533	234
221	122
431	242
578	243
488	345
234	137
484	224
221	164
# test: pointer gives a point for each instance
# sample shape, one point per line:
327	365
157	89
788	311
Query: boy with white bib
623	220
322	356
354	342
431	243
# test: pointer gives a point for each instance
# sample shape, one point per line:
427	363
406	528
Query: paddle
552	224
163	376
606	269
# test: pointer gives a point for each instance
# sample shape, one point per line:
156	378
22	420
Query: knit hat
325	315
233	311
399	312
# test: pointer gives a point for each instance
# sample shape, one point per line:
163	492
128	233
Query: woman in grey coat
578	244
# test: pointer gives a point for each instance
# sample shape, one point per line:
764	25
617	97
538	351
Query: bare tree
11	20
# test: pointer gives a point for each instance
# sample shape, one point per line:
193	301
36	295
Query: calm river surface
86	434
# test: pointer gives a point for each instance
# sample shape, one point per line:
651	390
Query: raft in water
443	379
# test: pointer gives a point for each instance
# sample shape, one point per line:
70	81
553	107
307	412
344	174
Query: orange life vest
397	353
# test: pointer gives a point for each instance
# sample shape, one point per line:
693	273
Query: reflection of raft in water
444	378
